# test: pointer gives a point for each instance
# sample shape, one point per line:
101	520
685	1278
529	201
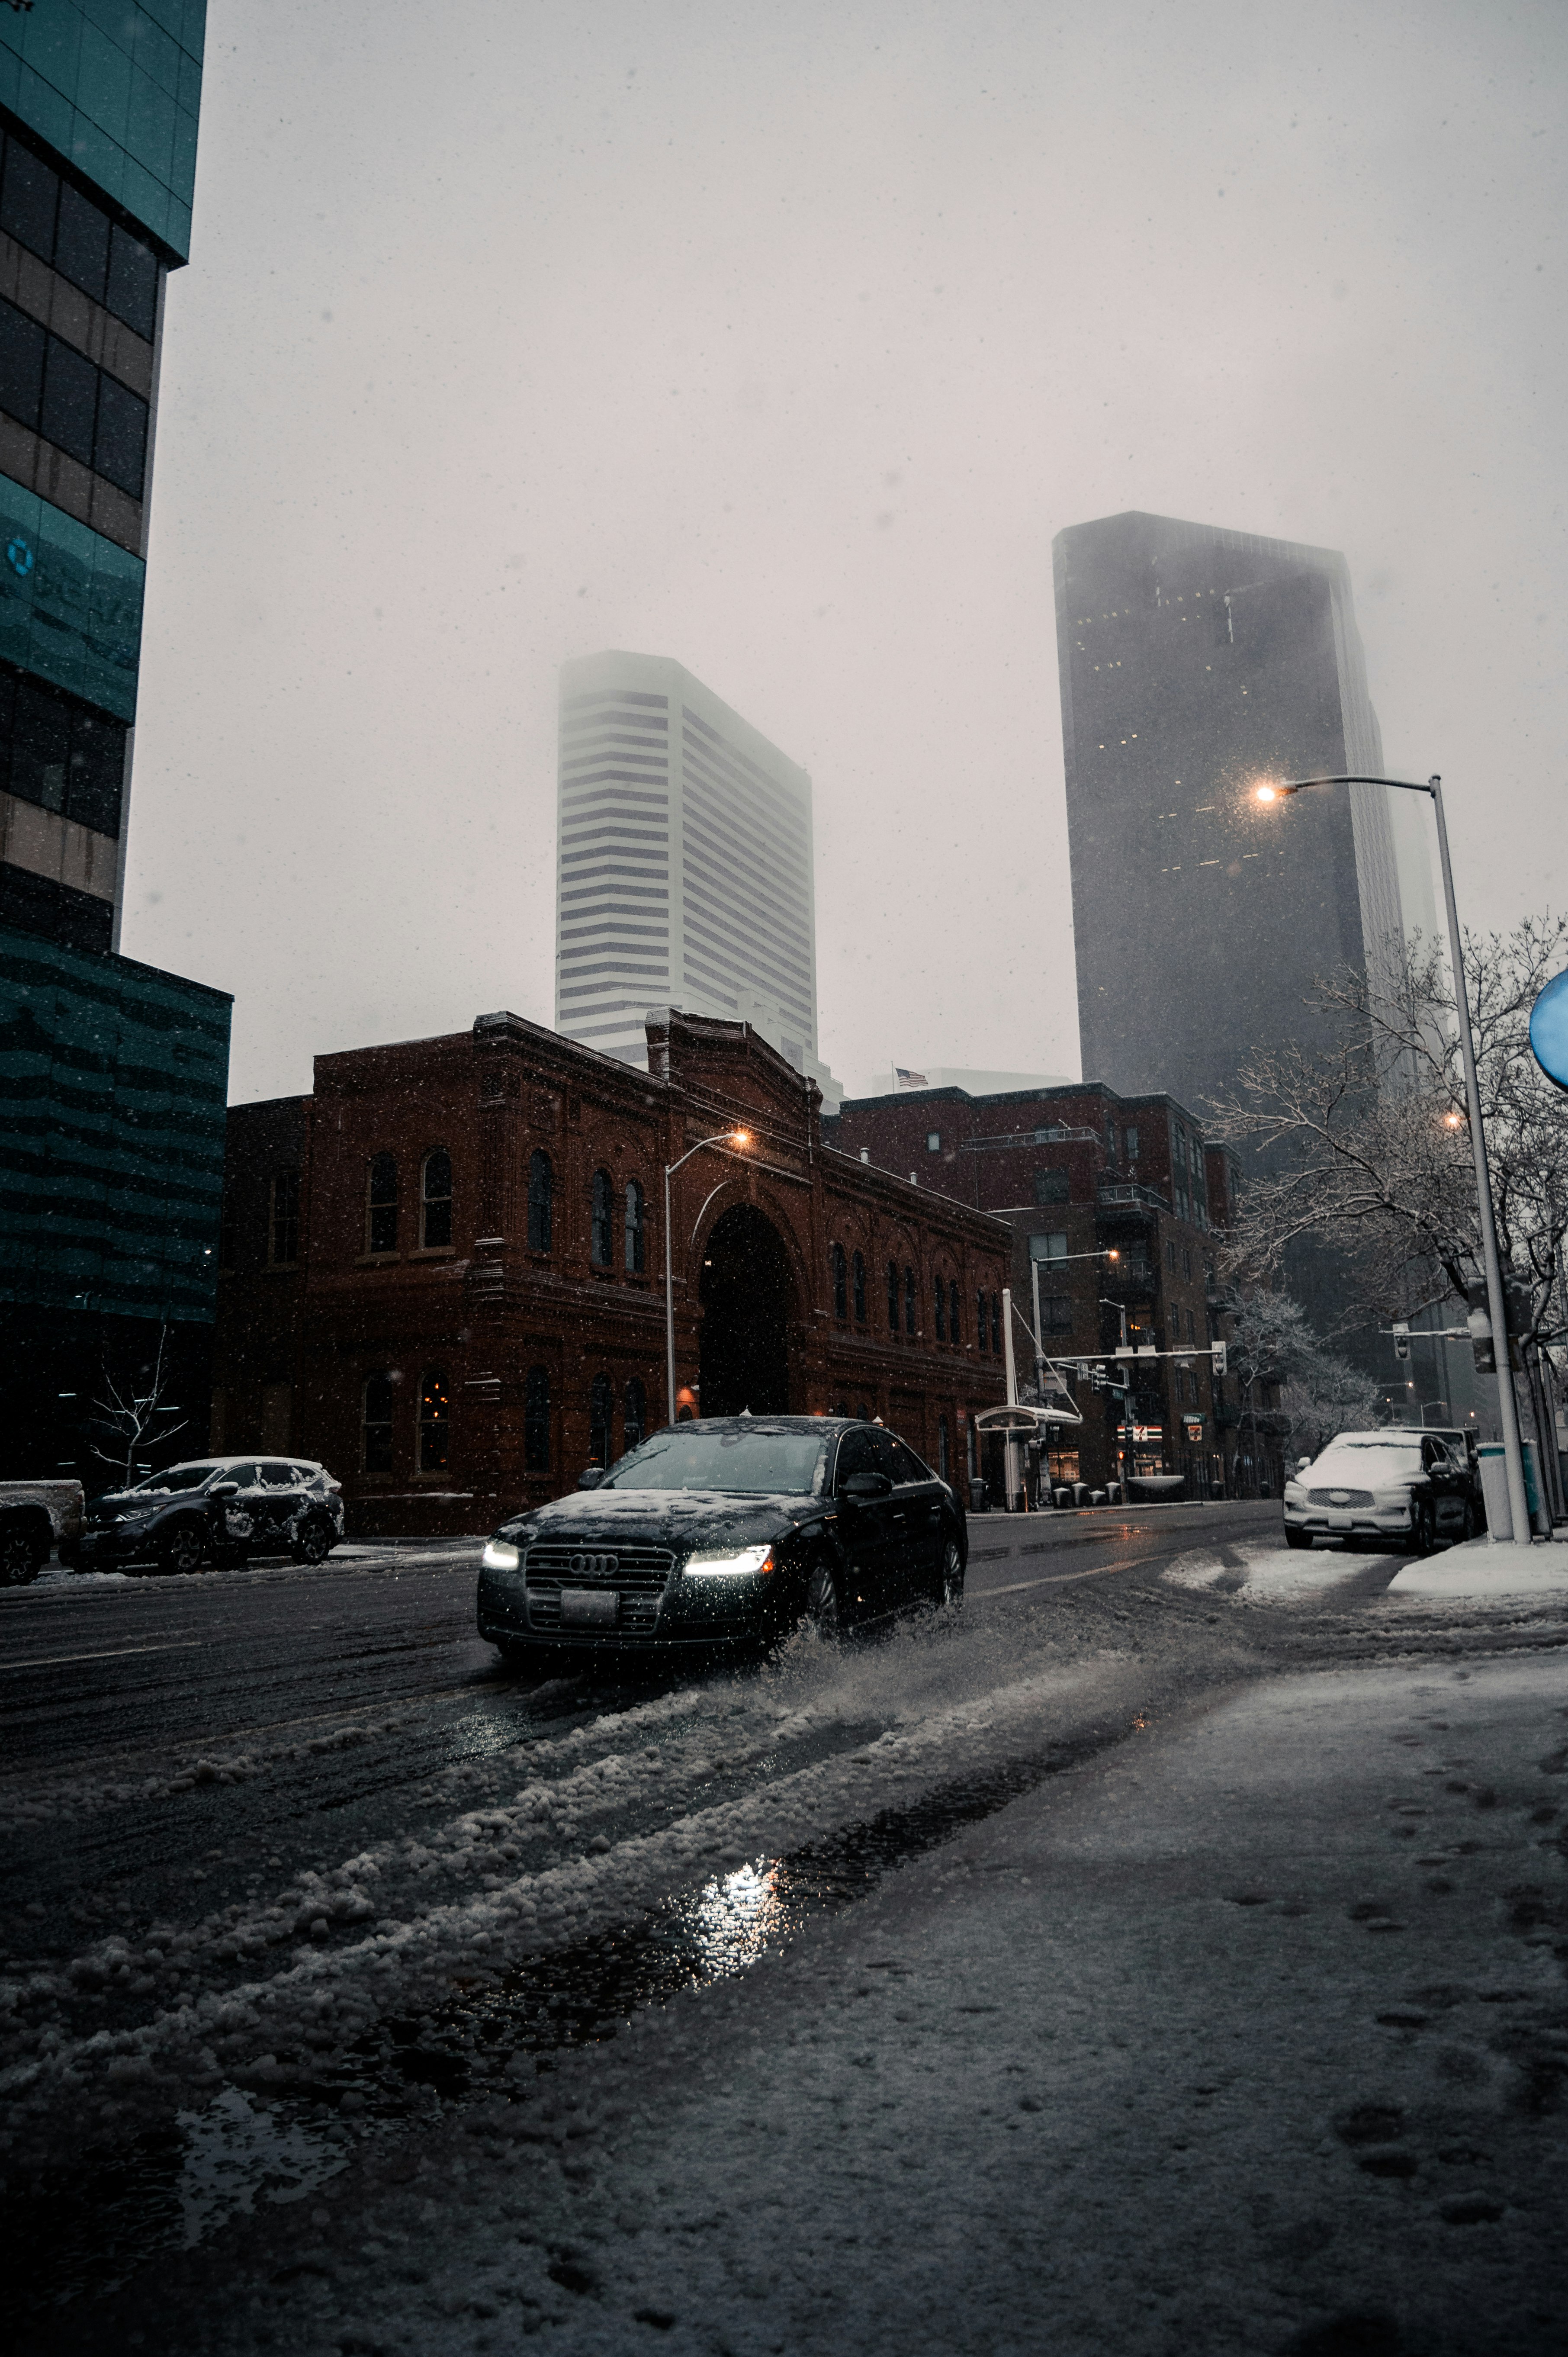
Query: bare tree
1364	1144
1273	1346
135	1410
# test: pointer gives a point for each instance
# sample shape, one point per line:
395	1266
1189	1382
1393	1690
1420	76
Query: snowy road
295	1871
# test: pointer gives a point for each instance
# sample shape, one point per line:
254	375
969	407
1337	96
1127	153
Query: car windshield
1367	1460
179	1476
772	1464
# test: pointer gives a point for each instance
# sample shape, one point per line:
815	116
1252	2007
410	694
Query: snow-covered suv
216	1509
1386	1489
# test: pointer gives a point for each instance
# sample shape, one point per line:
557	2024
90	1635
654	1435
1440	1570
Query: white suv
1391	1488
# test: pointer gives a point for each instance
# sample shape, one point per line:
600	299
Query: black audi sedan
722	1531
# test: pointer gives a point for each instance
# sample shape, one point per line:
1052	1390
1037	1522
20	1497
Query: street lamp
1513	1455
734	1137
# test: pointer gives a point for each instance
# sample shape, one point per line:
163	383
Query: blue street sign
1549	1030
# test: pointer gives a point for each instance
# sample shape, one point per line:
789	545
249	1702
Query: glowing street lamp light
1274	790
737	1139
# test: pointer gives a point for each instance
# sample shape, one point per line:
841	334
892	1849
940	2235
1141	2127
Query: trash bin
1494	1489
977	1500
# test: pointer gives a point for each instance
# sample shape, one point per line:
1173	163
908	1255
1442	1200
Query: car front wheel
1299	1538
950	1583
183	1548
1422	1530
822	1611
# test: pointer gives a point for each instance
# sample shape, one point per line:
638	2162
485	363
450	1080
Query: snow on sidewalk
1481	1569
1247	2037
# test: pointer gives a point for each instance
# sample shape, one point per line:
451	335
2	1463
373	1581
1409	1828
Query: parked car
34	1517
217	1510
722	1531
1391	1488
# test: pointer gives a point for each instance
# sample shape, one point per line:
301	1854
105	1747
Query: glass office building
684	865
113	1075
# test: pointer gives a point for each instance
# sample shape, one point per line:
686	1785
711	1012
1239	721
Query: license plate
1340	1521
589	1608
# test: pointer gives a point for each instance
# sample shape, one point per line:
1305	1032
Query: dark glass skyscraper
1195	662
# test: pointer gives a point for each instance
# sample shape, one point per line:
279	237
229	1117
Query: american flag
910	1080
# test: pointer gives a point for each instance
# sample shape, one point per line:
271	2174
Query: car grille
1339	1497
639	1575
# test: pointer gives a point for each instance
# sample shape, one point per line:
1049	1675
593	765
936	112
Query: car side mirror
224	1489
590	1476
1303	1463
861	1487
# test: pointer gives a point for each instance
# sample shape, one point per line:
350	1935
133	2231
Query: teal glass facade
70	602
115	87
113	1083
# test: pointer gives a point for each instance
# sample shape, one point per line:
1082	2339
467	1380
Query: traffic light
1218	1358
1402	1339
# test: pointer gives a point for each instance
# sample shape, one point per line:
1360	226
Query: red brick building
1080	1172
443	1272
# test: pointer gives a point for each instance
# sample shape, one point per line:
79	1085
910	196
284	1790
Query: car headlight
1294	1494
737	1562
501	1555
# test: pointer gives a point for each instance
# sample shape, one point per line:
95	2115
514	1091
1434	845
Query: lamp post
1508	1412
722	1138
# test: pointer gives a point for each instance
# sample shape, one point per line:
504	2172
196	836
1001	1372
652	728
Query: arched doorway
747	1293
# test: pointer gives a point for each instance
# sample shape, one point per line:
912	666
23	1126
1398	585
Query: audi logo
594	1567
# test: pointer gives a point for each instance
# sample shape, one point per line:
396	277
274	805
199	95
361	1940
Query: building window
1130	1139
52	389
536	1421
636	1412
857	1268
636	1232
1056	1313
282	1225
954	1334
997	1325
60	754
943	1446
1048	1247
601	1220
435	1425
381	1205
840	1268
436	1200
55	220
933	1141
939	1302
893	1297
601	1417
910	1297
1185	1261
540	1196
1170	1255
1051	1187
982	1309
376	1424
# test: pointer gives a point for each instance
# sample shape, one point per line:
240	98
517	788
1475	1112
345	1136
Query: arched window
636	1412
840	1268
536	1421
636	1230
983	1309
893	1297
997	1325
955	1333
943	1446
540	1197
601	1419
434	1424
376	1424
863	1413
436	1200
282	1228
601	1220
381	1205
909	1300
858	1270
939	1303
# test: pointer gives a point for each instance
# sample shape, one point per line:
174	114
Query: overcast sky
782	340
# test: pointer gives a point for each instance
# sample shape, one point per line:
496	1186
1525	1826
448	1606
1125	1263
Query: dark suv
217	1510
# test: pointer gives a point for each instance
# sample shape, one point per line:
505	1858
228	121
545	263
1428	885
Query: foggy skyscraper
1194	661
